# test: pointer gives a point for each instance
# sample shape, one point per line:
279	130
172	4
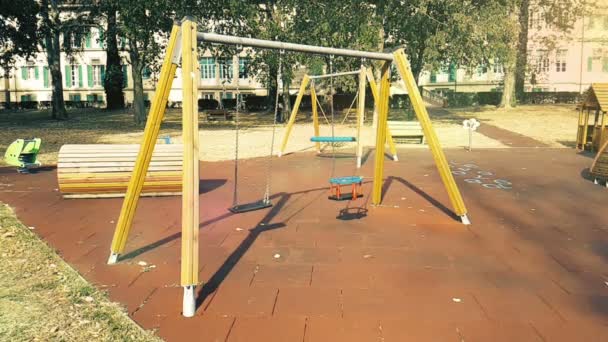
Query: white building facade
84	71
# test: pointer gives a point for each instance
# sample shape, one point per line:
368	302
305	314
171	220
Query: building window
243	66
29	72
207	96
542	62
560	60
590	23
226	69
227	96
498	67
605	64
208	68
146	73
97	75
452	73
433	77
482	69
74	75
589	64
536	20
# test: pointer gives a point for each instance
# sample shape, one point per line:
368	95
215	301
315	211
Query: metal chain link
235	194
274	126
331	94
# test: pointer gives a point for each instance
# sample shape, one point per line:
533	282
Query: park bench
403	131
218	114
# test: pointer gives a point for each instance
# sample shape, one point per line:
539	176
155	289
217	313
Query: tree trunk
113	82
522	49
139	106
508	94
53	56
286	100
7	87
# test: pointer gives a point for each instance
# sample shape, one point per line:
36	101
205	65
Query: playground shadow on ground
389	181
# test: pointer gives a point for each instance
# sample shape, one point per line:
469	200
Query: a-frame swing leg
155	117
405	71
382	107
294	112
374	88
190	177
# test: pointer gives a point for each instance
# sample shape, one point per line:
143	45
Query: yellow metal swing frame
182	46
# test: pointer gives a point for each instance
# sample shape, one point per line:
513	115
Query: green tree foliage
18	35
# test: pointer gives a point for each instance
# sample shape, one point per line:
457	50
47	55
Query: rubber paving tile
531	267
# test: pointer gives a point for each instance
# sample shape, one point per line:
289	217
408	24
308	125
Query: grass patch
43	299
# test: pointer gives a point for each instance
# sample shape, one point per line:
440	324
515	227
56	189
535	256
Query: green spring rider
23	154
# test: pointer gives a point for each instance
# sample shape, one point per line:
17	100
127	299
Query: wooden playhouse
592	136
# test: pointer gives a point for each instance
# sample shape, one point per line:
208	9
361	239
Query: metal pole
276	45
346	73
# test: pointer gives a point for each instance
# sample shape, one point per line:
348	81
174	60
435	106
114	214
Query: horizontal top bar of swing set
275	45
345	73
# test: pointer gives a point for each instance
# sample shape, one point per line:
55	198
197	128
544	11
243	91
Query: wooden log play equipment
592	136
104	170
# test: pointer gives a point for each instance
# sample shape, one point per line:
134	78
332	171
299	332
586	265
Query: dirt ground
554	125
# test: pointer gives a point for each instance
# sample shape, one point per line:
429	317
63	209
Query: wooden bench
218	114
100	171
403	131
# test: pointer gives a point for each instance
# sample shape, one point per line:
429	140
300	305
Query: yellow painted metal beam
315	114
294	112
403	66
382	107
155	117
389	137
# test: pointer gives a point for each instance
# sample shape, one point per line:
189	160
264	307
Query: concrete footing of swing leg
395	158
189	304
113	259
279	154
358	162
465	219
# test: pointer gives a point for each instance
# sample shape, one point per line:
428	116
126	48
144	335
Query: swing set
182	46
309	81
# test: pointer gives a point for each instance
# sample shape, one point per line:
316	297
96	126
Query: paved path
531	267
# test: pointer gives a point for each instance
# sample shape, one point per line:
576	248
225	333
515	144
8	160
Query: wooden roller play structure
104	170
592	136
182	49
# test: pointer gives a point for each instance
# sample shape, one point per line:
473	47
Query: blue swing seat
346	180
332	139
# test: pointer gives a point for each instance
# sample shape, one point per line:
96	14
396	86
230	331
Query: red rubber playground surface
531	267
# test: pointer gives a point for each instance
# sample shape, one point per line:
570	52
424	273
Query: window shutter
80	83
23	73
590	64
605	64
87	41
90	98
90	75
103	75
125	75
68	76
36	75
45	76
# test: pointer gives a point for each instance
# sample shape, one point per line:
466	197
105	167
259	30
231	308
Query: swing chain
331	94
236	147
274	126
